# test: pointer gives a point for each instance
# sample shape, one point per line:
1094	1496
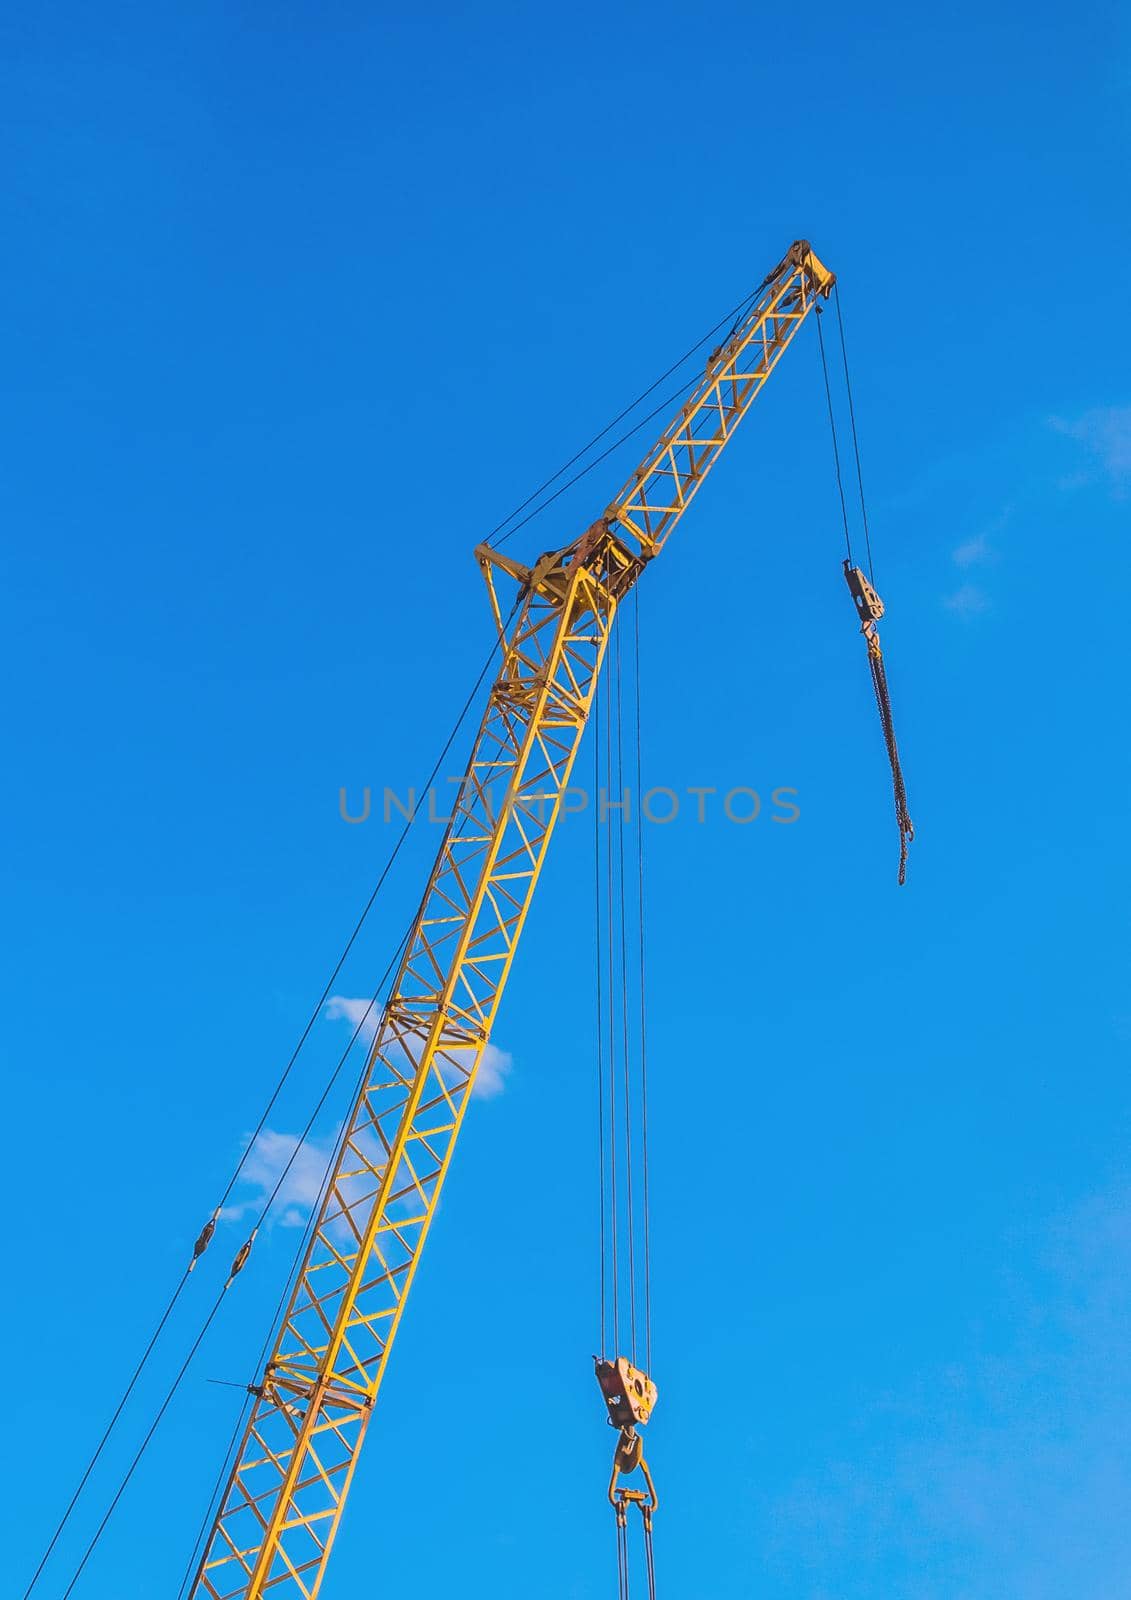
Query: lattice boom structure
284	1499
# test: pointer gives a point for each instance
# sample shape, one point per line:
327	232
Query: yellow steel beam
283	1502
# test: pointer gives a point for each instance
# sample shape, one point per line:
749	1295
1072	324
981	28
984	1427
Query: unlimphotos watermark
660	804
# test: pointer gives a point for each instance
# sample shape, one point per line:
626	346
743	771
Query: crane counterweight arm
283	1501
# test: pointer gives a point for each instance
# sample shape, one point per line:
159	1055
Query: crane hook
630	1396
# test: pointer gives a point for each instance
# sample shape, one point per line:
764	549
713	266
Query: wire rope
237	1267
832	429
640	905
663	406
733	316
221	1479
611	1008
601	1172
144	1445
630	1191
234	1178
855	441
107	1431
282	1177
297	1259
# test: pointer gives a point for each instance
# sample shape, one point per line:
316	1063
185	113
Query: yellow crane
284	1498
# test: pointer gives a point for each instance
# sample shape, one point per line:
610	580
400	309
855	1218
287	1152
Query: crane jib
283	1502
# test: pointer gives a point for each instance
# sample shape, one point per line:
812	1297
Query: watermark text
661	804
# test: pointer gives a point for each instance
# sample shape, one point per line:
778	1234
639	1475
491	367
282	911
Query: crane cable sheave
630	1396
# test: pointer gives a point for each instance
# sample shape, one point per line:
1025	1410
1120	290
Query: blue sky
300	300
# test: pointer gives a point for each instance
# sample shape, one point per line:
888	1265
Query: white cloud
301	1187
968	601
299	1168
494	1064
972	551
1105	433
979	549
363	1014
264	1166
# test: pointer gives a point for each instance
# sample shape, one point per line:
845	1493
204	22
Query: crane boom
283	1501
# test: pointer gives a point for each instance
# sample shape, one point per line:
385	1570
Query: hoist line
296	1262
175	1297
733	316
875	654
601	1345
630	1189
622	1109
414	812
661	409
650	1559
622	1558
304	1237
855	441
832	429
610	973
237	1266
326	1092
277	1519
221	1479
132	1383
108	1430
144	1445
643	992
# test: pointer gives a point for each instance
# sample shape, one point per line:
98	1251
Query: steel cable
734	316
855	441
622	1556
613	1135
107	1431
144	1445
240	1259
221	1479
413	814
875	656
630	1190
832	428
300	1252
601	1172
643	998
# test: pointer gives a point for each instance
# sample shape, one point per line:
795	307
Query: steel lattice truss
284	1499
661	488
